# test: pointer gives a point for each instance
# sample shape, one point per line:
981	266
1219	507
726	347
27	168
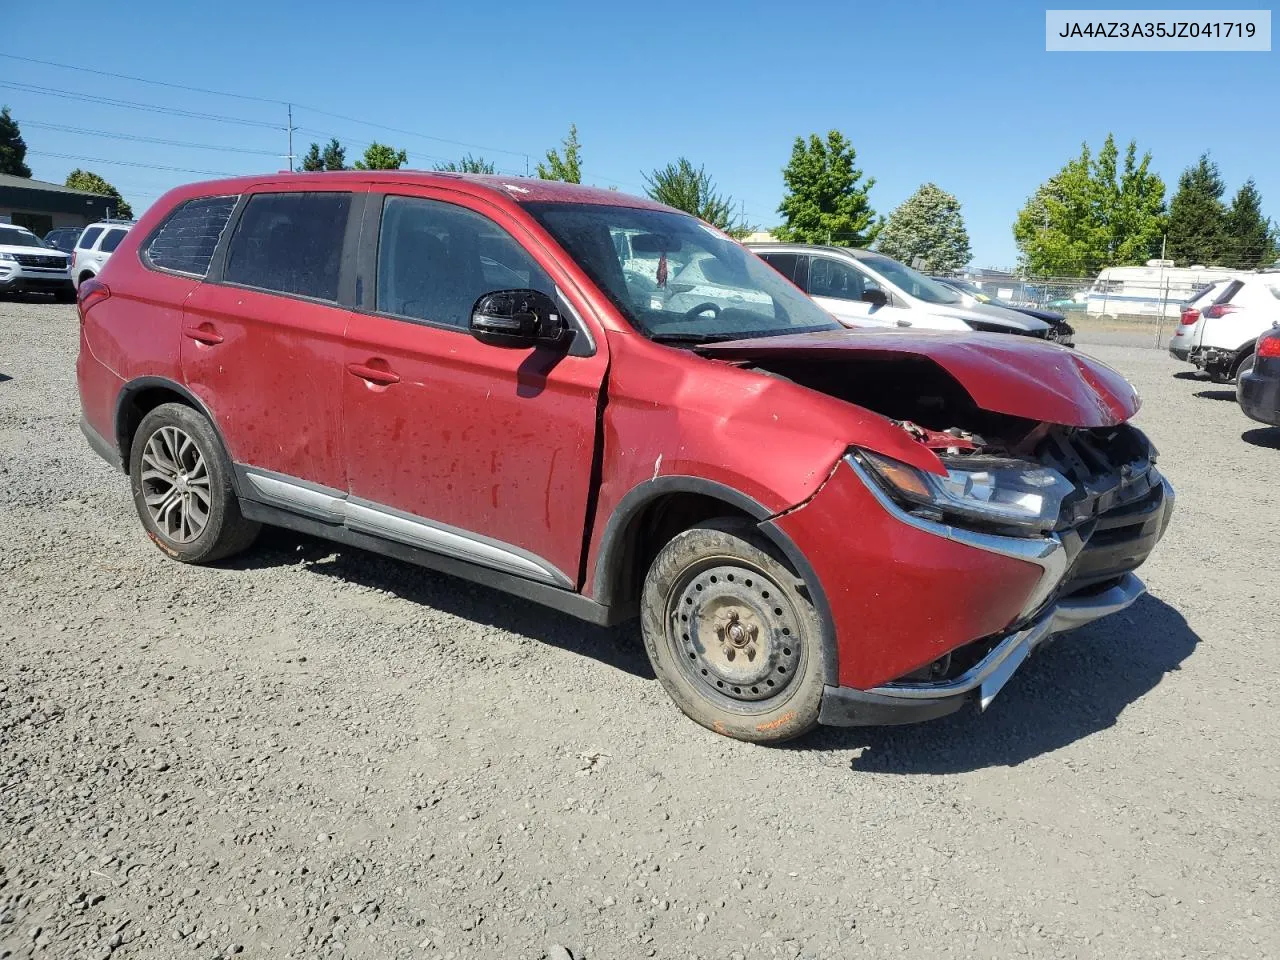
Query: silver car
861	288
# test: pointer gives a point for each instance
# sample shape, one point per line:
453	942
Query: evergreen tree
1250	237
679	185
335	157
825	201
13	149
1197	217
312	161
567	168
468	164
927	225
379	156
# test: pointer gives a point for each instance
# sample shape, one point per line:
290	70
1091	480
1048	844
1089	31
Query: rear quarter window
89	238
187	239
112	240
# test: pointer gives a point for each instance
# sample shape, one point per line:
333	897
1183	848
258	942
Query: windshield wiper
691	337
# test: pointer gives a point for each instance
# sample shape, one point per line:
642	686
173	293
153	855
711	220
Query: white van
1149	291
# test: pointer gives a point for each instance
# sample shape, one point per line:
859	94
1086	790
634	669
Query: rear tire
65	296
181	480
732	634
1245	366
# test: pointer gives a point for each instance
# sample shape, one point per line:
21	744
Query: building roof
26	183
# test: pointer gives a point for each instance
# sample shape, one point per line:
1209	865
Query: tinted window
435	260
112	240
185	242
832	278
290	243
89	238
790	265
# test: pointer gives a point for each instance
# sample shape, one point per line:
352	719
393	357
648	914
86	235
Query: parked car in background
345	354
1059	330
861	288
95	247
1258	388
27	265
63	238
1231	317
1184	335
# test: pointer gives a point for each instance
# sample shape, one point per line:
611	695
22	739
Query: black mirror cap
519	319
877	298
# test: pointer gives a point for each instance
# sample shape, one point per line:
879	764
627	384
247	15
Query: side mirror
519	319
875	297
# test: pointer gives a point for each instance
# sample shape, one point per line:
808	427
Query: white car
1221	326
861	288
95	247
27	263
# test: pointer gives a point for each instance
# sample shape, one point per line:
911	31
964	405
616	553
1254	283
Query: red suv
605	405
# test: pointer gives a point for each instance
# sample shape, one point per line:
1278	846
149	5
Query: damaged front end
1029	526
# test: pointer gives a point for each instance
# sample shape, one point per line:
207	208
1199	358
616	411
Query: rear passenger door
263	336
476	451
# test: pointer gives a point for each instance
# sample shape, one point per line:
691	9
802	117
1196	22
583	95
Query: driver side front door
476	451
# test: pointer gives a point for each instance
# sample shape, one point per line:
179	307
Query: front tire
181	481
732	633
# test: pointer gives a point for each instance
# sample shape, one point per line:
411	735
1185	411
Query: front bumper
1260	395
897	703
28	278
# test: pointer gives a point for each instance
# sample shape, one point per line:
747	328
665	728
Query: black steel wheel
733	635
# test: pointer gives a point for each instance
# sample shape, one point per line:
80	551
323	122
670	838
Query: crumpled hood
1017	376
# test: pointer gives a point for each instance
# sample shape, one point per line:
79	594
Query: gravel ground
316	752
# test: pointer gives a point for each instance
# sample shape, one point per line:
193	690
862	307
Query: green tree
13	149
567	168
1092	214
335	157
927	225
679	185
1251	237
79	179
312	161
467	164
379	156
825	201
1197	216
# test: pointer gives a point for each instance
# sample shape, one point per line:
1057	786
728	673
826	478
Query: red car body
579	463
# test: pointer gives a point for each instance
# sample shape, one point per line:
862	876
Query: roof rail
115	220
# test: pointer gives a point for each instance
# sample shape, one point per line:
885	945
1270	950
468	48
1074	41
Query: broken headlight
988	490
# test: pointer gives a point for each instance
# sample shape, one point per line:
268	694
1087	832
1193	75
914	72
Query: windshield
675	278
19	238
907	280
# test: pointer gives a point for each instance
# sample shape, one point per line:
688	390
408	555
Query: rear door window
290	243
89	238
186	241
112	240
793	266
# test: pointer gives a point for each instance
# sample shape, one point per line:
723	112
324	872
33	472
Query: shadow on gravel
1188	375
618	647
1268	437
1075	687
4	377
1216	395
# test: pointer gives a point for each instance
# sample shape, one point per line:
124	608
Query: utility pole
290	106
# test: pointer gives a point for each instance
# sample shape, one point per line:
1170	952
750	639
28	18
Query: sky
959	94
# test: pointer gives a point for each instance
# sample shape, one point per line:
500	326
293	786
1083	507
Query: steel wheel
734	632
175	484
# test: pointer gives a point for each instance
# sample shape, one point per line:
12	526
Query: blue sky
960	94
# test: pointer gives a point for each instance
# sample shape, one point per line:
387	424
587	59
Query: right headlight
7	257
988	490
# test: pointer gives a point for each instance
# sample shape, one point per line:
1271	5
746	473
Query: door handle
378	375
205	333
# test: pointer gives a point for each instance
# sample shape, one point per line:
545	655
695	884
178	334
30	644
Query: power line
157	83
133	105
129	136
129	163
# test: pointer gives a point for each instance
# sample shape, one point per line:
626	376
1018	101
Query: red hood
1003	373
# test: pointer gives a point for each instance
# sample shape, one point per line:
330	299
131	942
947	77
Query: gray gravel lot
316	752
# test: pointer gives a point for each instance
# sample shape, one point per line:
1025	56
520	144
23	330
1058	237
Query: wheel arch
142	395
652	512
